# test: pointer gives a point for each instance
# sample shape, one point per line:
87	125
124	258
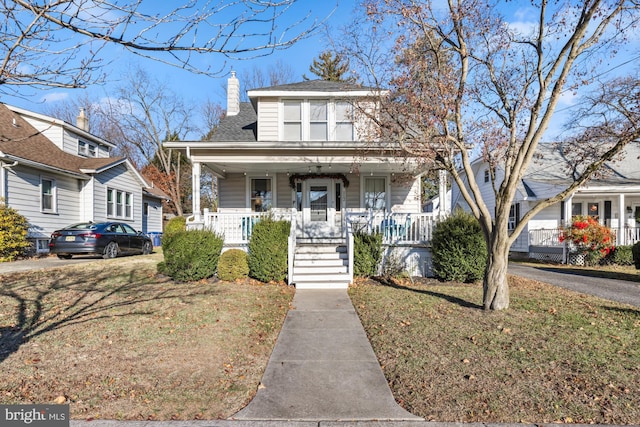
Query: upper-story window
344	121
87	149
317	120
292	120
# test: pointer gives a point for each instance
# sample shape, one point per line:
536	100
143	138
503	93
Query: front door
319	209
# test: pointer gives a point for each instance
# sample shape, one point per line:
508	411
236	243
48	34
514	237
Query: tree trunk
495	285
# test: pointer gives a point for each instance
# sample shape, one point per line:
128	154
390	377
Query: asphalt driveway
44	262
611	289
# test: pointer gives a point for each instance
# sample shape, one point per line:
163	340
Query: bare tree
466	84
145	113
62	43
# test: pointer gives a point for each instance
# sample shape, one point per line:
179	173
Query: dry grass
116	341
554	356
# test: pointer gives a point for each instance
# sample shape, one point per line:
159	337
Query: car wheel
64	256
146	248
111	251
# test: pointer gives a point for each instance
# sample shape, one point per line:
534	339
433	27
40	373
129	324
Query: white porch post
622	238
195	190
568	210
442	193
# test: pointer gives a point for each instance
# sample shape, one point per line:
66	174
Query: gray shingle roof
239	128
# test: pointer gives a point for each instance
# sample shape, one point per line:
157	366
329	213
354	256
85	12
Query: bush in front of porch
269	249
367	253
191	255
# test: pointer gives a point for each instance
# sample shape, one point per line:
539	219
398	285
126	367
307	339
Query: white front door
318	208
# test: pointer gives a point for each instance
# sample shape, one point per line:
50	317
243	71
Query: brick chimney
82	121
233	95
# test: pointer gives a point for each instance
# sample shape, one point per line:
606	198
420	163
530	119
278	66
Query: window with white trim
261	194
292	120
514	216
48	193
375	193
318	120
344	121
119	204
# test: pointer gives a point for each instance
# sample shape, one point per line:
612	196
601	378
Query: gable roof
19	141
239	128
316	86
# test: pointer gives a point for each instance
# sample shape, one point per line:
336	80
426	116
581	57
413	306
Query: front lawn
116	341
554	356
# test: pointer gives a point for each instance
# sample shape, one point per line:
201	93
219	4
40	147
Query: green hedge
13	233
233	265
367	253
458	248
190	255
268	250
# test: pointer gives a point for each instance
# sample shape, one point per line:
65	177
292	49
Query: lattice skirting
546	256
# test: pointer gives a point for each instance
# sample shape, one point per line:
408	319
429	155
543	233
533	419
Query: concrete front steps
320	265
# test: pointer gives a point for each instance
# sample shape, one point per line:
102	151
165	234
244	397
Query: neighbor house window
292	120
119	204
48	195
344	121
87	149
82	148
261	194
486	175
514	216
375	195
318	123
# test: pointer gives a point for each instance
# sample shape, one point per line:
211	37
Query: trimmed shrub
367	253
620	255
13	233
635	249
233	265
175	225
268	250
458	248
191	255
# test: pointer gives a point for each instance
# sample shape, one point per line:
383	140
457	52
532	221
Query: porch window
261	194
594	210
298	196
48	195
292	120
375	195
318	123
344	121
576	209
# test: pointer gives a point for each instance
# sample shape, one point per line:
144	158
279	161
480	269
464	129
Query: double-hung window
261	194
293	120
48	195
344	121
119	204
318	120
375	194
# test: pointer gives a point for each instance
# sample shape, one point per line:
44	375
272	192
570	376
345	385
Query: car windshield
83	226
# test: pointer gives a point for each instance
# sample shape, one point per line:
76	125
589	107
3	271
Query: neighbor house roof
19	141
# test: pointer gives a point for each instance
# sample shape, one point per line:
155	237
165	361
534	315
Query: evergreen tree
330	66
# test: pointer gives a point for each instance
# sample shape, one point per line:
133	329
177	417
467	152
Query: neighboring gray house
613	198
302	152
56	174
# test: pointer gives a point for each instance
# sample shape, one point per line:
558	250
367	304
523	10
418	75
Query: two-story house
57	174
302	151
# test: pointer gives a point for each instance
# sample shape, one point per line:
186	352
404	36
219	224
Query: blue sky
197	89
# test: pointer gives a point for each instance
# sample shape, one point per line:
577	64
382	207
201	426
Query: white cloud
52	97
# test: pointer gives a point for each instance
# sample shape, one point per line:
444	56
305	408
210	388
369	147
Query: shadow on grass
622	310
46	303
449	298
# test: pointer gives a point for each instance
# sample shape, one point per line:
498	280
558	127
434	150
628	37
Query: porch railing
396	228
551	237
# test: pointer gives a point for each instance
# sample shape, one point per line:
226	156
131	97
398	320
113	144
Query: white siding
405	194
353	192
268	119
53	132
23	194
283	192
233	193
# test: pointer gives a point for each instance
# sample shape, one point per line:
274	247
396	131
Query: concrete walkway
323	367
